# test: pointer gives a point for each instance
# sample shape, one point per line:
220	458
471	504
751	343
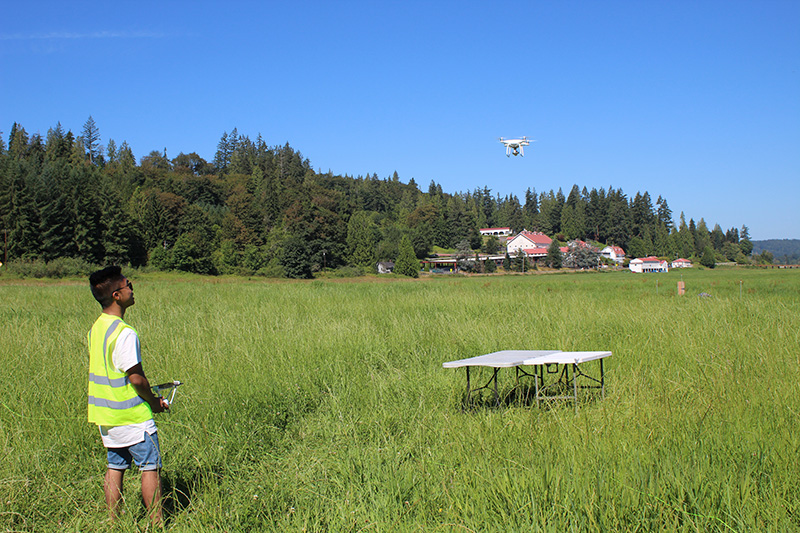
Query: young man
121	402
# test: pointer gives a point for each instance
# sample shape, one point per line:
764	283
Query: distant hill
785	251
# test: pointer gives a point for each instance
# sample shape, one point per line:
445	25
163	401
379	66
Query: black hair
101	281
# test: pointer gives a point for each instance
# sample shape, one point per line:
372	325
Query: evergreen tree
530	210
492	245
573	220
555	212
618	229
702	239
295	259
553	258
708	259
595	214
361	240
111	151
17	142
21	220
637	247
744	243
685	245
406	262
547	210
223	155
91	140
664	213
717	238
642	215
86	213
55	220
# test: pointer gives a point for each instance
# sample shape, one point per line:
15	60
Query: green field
323	405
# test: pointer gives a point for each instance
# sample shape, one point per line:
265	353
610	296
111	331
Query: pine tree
22	217
709	259
406	262
55	223
531	209
91	139
744	241
361	240
295	259
111	151
223	155
664	213
553	258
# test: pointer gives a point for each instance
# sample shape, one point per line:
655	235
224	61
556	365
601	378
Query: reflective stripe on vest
113	401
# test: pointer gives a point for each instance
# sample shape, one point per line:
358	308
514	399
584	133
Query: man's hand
139	381
163	404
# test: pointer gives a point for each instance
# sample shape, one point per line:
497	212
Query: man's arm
139	381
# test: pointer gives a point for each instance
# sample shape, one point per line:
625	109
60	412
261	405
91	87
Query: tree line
263	209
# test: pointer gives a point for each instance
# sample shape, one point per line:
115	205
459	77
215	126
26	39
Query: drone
514	146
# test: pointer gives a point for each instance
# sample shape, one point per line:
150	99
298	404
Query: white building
615	253
501	232
648	264
681	263
530	242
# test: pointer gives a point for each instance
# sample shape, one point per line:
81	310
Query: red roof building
526	240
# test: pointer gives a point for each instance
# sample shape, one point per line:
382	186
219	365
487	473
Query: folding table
563	361
496	360
544	361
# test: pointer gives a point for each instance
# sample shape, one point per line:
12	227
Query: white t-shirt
127	354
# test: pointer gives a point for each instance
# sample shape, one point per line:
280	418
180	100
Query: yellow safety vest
112	399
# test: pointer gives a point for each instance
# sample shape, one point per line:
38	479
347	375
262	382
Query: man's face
123	294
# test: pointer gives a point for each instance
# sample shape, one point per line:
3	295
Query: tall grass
323	406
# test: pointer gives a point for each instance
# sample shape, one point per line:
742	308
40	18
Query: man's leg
151	492
113	489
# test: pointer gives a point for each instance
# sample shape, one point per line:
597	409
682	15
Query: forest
259	209
785	251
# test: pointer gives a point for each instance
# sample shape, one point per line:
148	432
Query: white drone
514	146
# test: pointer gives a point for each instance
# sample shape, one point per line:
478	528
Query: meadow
323	405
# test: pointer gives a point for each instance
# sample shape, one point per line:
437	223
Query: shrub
63	267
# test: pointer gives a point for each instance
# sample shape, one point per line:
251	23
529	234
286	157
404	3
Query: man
121	402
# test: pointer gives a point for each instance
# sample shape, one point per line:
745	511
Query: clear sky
695	101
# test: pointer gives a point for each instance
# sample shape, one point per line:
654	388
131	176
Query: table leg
602	380
496	395
466	400
575	385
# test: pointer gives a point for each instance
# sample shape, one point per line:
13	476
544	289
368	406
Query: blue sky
695	101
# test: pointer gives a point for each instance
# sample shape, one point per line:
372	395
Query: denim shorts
146	455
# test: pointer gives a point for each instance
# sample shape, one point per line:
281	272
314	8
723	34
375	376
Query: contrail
62	35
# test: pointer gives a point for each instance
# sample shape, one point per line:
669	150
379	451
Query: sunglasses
129	285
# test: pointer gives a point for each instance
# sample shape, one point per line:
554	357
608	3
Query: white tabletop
503	359
564	358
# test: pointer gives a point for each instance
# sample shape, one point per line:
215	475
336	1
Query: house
385	267
615	253
681	263
530	242
648	264
502	232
